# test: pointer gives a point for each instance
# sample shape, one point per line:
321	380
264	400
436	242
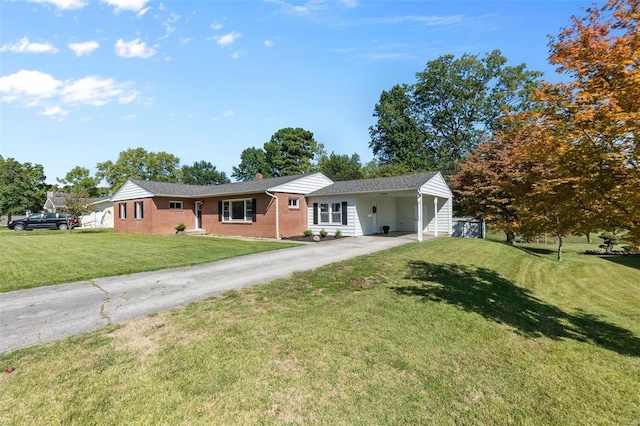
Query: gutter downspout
277	214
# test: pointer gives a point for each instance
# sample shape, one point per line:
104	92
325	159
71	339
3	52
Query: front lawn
450	331
39	258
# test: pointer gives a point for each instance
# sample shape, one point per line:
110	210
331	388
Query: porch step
195	232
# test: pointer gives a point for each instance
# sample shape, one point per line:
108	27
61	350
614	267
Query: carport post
435	216
420	225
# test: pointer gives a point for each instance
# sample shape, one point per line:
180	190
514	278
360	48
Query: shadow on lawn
483	291
630	261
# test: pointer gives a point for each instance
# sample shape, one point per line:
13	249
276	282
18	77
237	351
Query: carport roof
393	183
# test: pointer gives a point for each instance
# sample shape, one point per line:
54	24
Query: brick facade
158	218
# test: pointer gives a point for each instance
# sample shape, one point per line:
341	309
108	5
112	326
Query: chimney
258	176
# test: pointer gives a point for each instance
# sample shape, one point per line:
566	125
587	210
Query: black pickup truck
44	221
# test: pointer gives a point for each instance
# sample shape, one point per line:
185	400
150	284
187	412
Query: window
138	209
294	203
175	205
122	211
334	213
237	210
324	212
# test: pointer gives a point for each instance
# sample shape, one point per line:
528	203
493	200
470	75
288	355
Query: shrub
323	233
338	233
180	227
308	233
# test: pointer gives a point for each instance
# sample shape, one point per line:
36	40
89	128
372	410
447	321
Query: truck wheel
63	227
18	227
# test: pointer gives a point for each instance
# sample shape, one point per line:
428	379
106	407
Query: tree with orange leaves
592	123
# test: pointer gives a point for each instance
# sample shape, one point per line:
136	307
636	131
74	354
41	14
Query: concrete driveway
29	317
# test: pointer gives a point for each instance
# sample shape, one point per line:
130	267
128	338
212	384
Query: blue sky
82	80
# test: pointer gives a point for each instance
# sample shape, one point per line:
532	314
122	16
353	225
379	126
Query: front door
198	215
374	217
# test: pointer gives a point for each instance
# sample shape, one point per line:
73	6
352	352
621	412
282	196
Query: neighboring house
101	215
287	206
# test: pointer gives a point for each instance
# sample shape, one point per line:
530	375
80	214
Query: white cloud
28	84
128	117
227	114
216	26
35	89
25	46
55	112
63	4
430	21
269	43
236	55
185	40
227	39
132	5
83	48
143	11
133	49
167	24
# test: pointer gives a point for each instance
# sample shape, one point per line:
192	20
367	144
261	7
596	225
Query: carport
420	203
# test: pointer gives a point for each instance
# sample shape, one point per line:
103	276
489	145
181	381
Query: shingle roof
182	190
394	183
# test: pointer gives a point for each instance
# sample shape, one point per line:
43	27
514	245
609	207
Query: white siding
386	214
437	186
304	185
130	191
407	210
348	230
444	216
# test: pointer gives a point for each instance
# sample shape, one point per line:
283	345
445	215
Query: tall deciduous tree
455	104
597	113
22	187
252	162
341	167
203	173
397	138
79	178
137	163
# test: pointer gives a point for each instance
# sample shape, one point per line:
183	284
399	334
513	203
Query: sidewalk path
29	317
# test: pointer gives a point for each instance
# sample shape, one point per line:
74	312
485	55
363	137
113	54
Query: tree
80	178
139	164
376	169
76	204
290	151
480	187
22	187
598	111
203	173
396	138
454	105
341	167
252	162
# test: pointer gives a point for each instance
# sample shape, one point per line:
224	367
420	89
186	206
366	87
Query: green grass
40	258
450	331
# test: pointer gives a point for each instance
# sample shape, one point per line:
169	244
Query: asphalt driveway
29	317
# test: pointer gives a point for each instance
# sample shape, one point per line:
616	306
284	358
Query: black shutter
219	211
254	209
344	212
315	213
141	209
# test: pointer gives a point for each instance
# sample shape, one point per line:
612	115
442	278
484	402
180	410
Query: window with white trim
334	213
238	210
138	209
294	203
175	205
122	210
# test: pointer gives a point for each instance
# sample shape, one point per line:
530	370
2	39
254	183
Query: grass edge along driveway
451	331
42	258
